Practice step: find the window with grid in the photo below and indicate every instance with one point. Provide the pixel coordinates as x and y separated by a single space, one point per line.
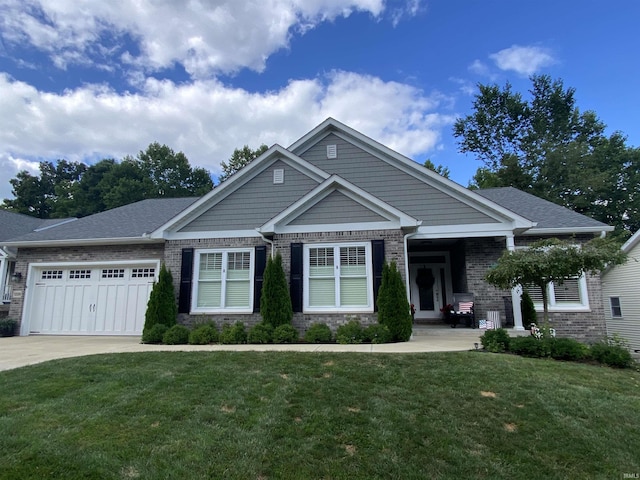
571 293
616 308
79 274
339 277
223 280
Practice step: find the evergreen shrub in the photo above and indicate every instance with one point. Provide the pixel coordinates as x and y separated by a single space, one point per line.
612 351
376 333
285 334
351 332
204 335
318 333
275 299
528 310
154 334
260 333
233 334
176 335
495 341
162 307
394 310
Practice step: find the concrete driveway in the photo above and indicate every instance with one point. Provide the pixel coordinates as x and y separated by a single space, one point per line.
18 352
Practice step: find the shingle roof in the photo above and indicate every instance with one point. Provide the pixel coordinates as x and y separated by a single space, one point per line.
15 224
128 221
545 213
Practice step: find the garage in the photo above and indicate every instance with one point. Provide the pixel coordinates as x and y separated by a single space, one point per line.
89 299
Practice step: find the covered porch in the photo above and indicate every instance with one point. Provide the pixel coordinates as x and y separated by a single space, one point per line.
438 268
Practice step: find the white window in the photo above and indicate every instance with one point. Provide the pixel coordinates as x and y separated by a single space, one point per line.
338 277
616 308
224 281
569 296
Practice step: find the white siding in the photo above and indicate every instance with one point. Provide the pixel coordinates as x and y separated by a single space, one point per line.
624 282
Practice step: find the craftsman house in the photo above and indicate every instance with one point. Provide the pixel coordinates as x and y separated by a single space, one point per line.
336 204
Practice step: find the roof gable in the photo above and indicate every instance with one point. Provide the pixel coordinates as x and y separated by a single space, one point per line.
333 204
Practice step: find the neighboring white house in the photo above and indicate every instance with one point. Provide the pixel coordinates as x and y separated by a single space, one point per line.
621 294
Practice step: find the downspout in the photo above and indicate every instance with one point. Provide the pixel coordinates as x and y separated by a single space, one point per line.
270 242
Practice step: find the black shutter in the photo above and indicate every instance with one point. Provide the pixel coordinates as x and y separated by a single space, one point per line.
377 257
186 274
295 286
258 275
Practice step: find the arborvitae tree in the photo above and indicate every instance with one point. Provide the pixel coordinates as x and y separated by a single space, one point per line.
162 307
393 306
275 300
528 310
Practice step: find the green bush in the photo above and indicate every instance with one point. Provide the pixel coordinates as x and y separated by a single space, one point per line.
495 341
176 335
204 335
528 310
154 334
318 333
376 333
162 307
285 334
530 346
612 351
351 332
568 349
394 310
8 327
275 299
233 334
260 333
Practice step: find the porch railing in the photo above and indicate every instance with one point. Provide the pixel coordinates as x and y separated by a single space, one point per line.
6 294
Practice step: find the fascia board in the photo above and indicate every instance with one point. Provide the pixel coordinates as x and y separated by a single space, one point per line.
410 167
355 193
211 234
236 181
568 230
462 231
84 242
632 242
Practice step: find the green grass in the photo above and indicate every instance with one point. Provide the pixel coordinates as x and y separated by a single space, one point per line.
328 416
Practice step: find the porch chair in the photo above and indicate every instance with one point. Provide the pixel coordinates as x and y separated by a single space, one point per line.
463 310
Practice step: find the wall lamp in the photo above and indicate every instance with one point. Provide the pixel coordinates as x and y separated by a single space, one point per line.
16 276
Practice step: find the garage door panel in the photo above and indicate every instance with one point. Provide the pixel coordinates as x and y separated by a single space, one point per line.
104 301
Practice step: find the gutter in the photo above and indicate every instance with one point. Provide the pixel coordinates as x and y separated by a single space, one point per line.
145 238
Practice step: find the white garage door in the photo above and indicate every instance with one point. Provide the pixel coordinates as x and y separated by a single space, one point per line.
90 300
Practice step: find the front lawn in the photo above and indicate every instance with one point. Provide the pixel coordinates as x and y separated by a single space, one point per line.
282 415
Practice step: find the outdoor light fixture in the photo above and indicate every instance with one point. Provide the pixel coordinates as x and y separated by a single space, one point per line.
16 276
476 345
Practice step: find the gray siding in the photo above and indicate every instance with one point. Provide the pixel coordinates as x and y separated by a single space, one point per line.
624 281
393 186
255 202
337 208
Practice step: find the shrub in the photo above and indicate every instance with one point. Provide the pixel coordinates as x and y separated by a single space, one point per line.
495 340
318 333
161 307
568 349
275 299
233 334
260 333
285 334
612 351
529 315
176 335
154 334
351 332
377 333
394 310
8 327
204 335
530 346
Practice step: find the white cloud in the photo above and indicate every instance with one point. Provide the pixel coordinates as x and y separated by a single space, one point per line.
523 60
206 119
207 37
479 68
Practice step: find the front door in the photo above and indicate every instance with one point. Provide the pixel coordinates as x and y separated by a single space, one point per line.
426 290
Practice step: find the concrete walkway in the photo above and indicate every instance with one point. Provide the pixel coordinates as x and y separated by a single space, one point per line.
18 352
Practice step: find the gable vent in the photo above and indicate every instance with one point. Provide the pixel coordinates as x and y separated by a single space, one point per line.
332 151
278 175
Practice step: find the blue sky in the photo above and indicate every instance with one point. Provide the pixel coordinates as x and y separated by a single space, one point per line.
91 80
